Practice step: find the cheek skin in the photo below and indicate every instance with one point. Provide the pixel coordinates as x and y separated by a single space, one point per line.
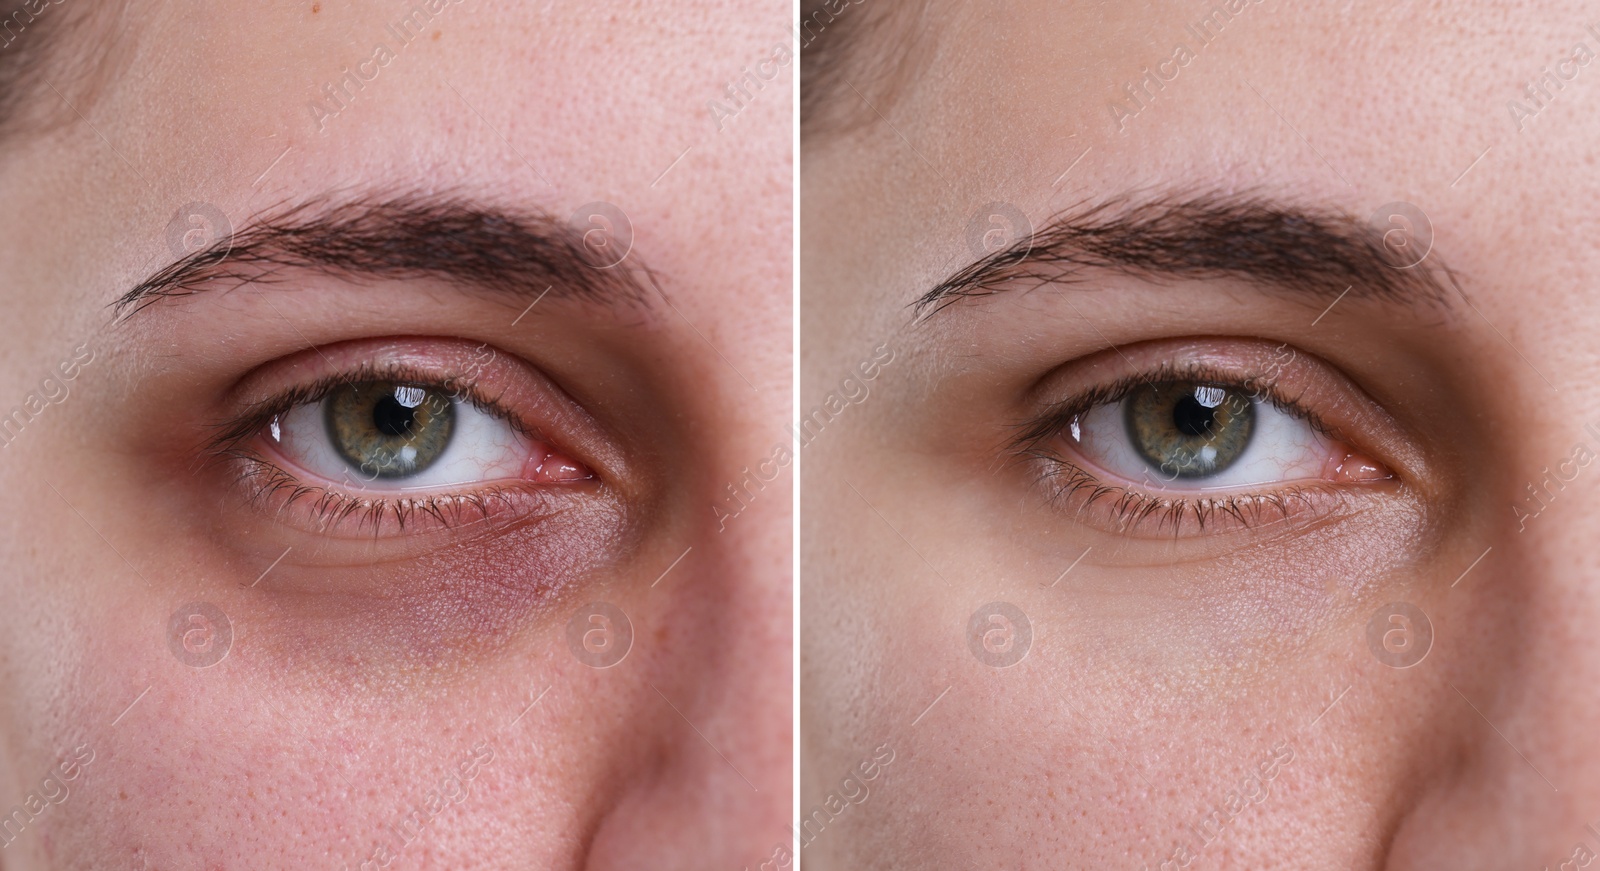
272 754
1148 749
199 770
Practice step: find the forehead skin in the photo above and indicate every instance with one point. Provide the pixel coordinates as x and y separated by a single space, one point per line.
548 106
205 121
1352 106
1008 99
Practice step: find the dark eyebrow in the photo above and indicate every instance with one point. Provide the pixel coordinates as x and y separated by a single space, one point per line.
521 253
1318 252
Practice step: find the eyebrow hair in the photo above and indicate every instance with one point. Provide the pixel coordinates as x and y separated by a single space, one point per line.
521 253
1271 244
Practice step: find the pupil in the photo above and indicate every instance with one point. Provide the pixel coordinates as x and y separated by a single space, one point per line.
1191 418
391 418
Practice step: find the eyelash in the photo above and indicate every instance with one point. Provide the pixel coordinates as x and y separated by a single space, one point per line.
264 479
1130 508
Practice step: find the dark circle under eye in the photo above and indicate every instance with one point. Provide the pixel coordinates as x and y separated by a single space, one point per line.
1189 430
386 429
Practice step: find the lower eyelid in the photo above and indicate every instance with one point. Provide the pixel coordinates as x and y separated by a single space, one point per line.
275 486
270 490
537 538
1080 494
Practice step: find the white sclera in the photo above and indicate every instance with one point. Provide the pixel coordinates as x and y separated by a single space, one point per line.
482 448
1282 448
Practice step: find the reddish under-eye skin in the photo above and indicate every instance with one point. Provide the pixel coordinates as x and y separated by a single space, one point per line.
1367 451
403 595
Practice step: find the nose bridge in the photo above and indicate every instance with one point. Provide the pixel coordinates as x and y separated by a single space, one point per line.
1551 693
737 712
1552 581
719 697
716 625
1520 716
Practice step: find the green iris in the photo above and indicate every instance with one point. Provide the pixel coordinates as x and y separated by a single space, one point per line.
1189 430
386 429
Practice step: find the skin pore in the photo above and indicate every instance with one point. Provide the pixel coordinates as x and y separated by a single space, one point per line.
1215 684
394 652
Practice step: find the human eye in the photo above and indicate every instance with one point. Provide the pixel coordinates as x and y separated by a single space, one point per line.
1178 437
373 438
